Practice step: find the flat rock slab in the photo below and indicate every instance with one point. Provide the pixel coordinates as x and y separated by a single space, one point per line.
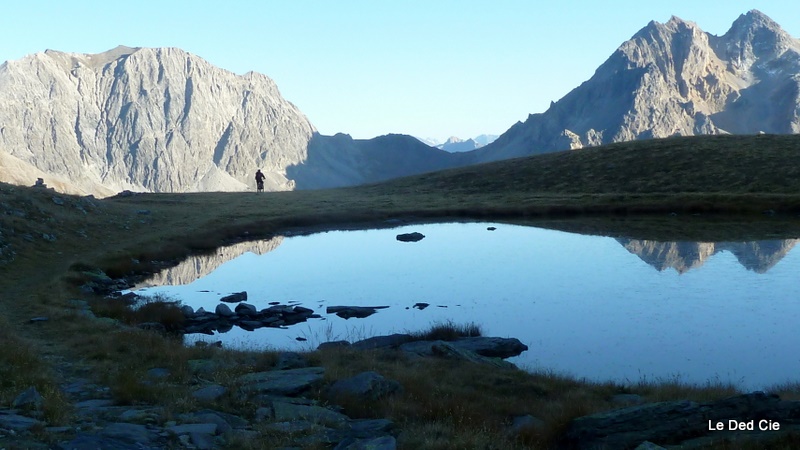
209 393
84 441
366 428
130 432
194 428
95 403
675 422
365 385
16 422
390 341
295 426
282 382
225 422
446 349
287 412
377 443
491 347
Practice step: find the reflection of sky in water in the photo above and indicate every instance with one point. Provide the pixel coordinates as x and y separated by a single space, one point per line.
583 304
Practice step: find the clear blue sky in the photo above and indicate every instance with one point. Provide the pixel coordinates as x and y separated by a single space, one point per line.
429 68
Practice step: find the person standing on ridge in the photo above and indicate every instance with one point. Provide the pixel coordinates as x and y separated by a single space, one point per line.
260 180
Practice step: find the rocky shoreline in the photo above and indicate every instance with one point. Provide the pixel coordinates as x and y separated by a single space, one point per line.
284 406
279 395
281 409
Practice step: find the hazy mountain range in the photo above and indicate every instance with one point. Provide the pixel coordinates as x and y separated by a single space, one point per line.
164 120
454 144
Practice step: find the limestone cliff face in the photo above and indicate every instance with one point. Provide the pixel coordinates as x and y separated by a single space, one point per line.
673 79
758 256
147 119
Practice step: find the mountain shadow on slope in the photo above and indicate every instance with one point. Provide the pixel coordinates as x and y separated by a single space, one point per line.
340 160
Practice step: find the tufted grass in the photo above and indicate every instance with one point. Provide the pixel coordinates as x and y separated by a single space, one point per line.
447 331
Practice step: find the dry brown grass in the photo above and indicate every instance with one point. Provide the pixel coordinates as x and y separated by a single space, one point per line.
787 391
164 311
22 367
448 401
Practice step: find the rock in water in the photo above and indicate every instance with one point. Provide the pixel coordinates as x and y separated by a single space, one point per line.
410 237
235 297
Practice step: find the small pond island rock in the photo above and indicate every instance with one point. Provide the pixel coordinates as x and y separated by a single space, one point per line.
235 297
359 312
410 237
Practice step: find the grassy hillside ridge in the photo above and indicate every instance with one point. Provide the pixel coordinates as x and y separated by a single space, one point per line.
718 164
47 238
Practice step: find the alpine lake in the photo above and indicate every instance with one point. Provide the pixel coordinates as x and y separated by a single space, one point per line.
594 307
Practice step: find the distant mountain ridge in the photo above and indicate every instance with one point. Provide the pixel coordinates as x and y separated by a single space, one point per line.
672 79
455 144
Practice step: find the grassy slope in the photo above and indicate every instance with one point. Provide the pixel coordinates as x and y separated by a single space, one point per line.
726 174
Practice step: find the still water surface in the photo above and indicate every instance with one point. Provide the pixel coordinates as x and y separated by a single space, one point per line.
589 306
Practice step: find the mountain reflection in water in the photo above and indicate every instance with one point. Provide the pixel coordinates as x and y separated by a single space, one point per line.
758 256
591 306
198 266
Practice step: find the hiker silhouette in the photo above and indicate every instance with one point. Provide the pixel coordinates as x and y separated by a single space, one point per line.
260 180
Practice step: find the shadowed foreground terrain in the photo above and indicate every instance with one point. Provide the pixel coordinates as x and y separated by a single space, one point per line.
745 187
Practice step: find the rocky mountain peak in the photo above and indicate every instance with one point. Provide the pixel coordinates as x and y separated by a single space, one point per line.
755 36
675 23
120 51
70 61
672 79
655 31
753 20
